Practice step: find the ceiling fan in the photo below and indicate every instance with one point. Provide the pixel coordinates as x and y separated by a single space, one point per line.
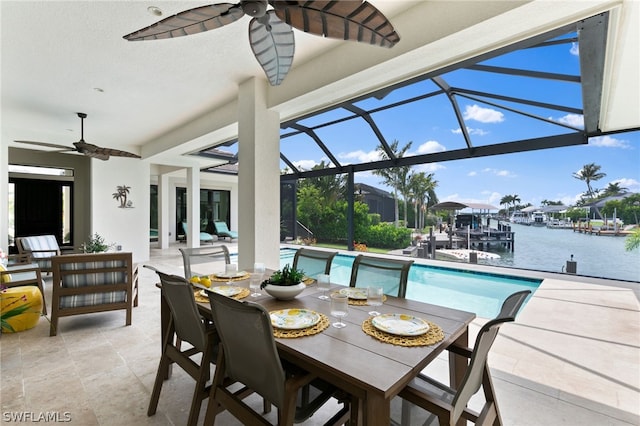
85 148
270 33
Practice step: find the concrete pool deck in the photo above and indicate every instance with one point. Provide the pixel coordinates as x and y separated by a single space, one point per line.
572 357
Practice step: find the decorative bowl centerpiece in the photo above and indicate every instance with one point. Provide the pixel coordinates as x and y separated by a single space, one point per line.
284 284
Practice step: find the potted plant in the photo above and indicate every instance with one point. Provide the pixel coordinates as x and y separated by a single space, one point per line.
284 284
95 244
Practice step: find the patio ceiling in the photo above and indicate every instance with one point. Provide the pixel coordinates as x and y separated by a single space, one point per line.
169 99
539 92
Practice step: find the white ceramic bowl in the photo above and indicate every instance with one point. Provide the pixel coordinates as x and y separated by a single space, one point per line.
284 292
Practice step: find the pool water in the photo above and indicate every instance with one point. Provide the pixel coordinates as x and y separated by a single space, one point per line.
481 293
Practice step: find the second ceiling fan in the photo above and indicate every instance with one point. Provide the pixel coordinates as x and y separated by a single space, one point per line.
270 33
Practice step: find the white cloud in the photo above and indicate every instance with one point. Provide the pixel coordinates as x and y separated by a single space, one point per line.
471 131
428 167
609 142
497 172
360 156
575 120
304 164
473 173
430 147
575 49
483 115
629 183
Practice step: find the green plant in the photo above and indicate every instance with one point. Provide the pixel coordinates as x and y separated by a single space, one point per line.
96 244
286 276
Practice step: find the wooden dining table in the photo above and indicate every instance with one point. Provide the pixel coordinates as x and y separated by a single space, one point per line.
371 370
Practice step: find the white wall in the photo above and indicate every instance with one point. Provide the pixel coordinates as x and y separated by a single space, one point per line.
128 227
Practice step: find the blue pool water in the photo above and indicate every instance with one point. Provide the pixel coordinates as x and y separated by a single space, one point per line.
481 293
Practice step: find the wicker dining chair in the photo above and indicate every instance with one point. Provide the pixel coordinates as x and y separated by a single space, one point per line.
313 262
390 274
249 356
449 405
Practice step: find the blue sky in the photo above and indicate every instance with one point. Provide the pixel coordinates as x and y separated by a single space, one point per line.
431 127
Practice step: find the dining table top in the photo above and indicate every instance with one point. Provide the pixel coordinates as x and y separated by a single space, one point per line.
371 369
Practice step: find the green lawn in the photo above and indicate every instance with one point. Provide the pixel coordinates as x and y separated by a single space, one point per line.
344 247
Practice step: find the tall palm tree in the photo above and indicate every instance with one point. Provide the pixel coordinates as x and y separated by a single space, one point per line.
506 201
613 188
589 173
332 187
422 186
394 177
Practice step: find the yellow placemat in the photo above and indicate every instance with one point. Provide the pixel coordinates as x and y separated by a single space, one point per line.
434 335
309 331
204 299
216 278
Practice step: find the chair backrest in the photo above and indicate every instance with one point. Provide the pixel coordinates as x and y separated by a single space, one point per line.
250 352
390 274
221 226
178 293
313 262
199 255
38 246
486 336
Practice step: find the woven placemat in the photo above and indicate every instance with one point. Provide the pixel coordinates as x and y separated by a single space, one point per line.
203 299
309 331
216 278
308 281
434 335
362 302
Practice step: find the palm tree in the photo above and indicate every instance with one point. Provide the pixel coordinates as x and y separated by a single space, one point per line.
331 187
122 194
506 201
395 177
613 188
422 186
589 173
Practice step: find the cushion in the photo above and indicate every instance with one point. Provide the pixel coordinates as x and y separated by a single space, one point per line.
41 242
6 278
89 280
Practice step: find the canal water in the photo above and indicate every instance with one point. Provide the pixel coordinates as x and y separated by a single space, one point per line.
546 249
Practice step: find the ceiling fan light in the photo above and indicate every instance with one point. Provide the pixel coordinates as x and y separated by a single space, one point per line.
255 8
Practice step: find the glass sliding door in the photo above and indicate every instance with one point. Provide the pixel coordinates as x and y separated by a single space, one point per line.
214 206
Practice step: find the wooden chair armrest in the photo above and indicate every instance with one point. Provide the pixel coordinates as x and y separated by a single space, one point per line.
19 258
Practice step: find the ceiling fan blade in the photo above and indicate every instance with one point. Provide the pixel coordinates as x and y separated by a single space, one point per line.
101 153
346 20
188 22
50 145
273 45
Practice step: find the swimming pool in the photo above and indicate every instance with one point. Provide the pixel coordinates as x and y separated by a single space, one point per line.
482 293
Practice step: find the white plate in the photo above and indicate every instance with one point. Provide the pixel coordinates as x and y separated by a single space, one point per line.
237 274
355 293
400 324
294 319
227 290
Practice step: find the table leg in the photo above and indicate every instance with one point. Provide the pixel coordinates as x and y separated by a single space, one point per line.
458 366
377 411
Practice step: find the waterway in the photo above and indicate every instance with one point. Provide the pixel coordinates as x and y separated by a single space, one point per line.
546 249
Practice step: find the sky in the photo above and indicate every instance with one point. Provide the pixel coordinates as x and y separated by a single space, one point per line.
430 126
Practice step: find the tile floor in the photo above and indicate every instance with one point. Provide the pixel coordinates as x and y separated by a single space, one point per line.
572 358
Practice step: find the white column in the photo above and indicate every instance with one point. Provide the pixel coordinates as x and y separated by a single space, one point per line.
163 211
258 177
4 198
193 207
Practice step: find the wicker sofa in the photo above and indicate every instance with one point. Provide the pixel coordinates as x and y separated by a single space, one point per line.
95 282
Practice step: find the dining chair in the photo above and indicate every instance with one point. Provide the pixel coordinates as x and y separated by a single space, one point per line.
313 262
187 325
390 274
448 404
200 255
249 356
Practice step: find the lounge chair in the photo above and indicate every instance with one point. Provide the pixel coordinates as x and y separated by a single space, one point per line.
204 237
223 231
